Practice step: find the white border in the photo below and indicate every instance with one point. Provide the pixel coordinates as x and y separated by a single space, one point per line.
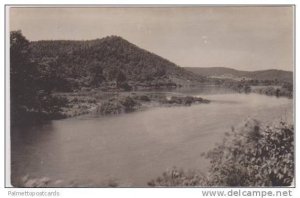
7 101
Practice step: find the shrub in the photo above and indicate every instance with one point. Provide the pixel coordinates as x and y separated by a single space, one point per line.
128 103
110 107
118 105
188 100
184 100
254 155
143 98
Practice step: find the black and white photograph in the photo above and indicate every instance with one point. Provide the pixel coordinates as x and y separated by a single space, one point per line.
151 96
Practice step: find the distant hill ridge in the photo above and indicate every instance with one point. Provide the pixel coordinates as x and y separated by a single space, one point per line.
270 74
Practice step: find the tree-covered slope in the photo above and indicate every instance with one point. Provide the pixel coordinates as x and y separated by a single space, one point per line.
93 62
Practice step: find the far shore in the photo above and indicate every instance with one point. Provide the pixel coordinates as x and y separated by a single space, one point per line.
98 102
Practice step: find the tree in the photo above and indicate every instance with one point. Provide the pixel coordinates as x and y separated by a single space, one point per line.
30 88
23 75
96 73
120 78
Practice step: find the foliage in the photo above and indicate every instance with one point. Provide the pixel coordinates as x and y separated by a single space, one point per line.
96 74
30 87
91 63
110 107
253 155
118 106
128 103
23 75
184 100
286 90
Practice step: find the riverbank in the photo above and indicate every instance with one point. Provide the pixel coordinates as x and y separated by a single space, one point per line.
101 102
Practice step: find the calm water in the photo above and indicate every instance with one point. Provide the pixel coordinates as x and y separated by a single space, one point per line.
134 148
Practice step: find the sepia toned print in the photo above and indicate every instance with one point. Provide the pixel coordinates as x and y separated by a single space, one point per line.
191 96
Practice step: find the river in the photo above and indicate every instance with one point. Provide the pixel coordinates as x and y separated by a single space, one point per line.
133 148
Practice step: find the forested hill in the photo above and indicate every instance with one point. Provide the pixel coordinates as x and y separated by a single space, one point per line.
94 62
228 73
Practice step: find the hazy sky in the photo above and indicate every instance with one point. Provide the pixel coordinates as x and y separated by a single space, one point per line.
246 38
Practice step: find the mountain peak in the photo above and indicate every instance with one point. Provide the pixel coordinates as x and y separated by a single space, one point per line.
114 38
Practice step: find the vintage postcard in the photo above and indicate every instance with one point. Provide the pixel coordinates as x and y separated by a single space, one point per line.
151 96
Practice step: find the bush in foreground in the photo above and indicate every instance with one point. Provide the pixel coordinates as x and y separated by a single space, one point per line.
254 155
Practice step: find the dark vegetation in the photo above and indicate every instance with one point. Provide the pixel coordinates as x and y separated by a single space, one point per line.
253 155
118 106
134 102
110 62
278 91
31 88
184 100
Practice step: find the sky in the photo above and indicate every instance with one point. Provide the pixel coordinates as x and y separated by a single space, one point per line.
244 38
